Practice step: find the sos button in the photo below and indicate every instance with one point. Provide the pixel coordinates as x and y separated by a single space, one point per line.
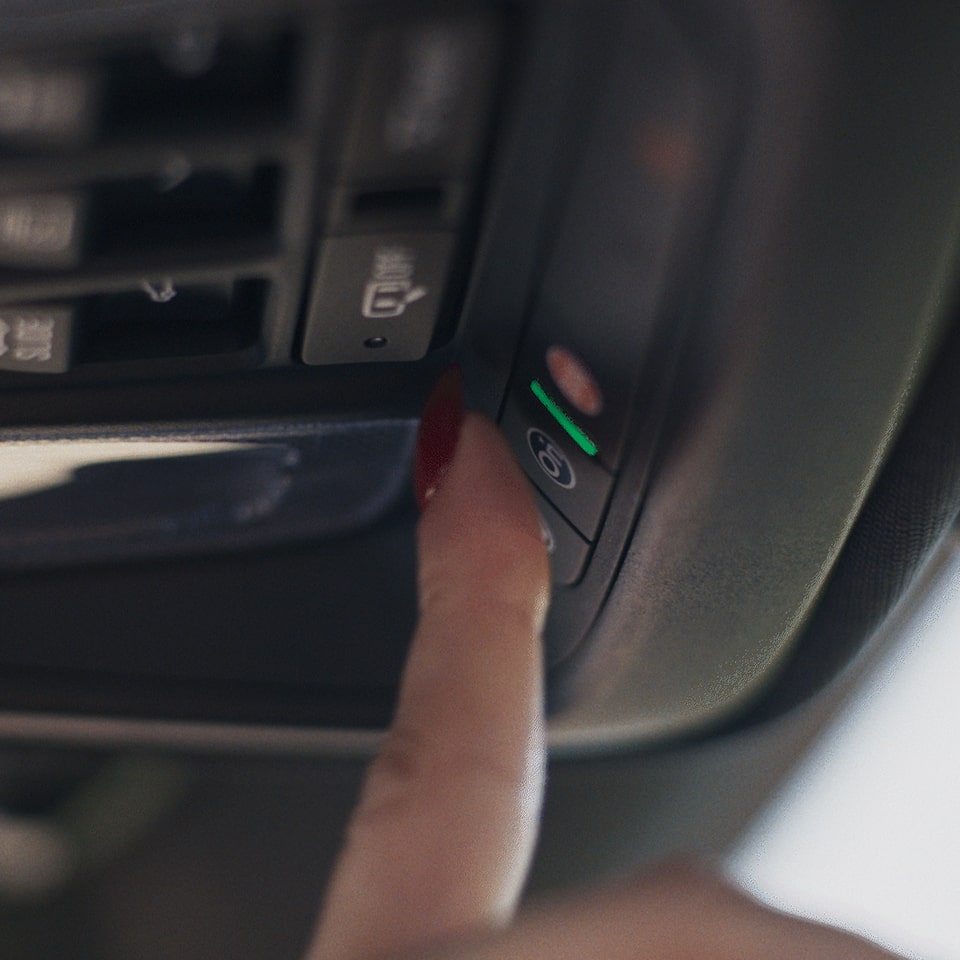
553 461
575 483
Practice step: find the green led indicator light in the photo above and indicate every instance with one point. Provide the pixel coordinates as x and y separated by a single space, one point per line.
579 437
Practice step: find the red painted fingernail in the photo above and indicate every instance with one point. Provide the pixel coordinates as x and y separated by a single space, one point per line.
439 432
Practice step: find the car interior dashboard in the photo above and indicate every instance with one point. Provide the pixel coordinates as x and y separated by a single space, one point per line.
697 259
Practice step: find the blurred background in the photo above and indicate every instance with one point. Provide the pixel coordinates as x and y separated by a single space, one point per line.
864 834
106 857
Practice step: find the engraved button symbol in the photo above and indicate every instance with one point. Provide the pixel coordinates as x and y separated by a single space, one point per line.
551 458
36 338
390 288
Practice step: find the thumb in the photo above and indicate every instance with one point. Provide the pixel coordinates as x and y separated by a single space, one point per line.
442 837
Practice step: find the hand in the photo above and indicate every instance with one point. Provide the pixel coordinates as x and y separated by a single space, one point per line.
439 845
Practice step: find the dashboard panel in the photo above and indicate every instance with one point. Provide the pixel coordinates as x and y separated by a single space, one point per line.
694 260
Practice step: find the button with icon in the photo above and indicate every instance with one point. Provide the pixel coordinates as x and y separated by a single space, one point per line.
567 549
572 480
377 297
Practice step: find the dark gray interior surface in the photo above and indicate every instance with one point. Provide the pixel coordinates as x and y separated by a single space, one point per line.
743 215
824 299
235 856
755 213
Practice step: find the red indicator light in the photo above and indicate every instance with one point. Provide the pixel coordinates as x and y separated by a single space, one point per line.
574 381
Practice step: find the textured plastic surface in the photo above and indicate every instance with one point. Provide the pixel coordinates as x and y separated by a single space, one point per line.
195 489
770 331
828 294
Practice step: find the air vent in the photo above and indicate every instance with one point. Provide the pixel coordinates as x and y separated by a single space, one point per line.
144 215
163 320
185 191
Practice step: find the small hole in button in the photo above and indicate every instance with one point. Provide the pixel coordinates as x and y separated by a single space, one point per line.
375 343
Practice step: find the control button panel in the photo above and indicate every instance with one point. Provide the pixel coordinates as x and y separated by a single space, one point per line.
376 298
604 286
570 478
36 338
567 549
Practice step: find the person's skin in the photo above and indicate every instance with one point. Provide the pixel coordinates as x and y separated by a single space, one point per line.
438 847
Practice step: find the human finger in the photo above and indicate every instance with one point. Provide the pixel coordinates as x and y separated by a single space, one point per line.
441 839
678 911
